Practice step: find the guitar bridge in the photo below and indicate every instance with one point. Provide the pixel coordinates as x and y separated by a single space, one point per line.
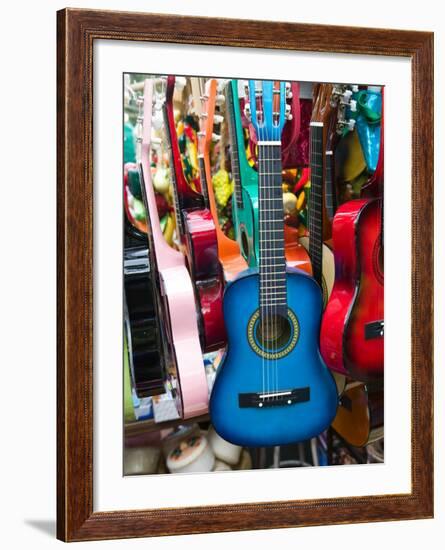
273 399
374 330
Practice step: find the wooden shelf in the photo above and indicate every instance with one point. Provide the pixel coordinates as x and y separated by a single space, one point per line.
147 426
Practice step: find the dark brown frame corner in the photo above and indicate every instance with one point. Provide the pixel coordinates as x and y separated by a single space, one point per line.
76 32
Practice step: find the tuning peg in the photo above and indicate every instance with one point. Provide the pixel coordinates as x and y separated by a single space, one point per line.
220 100
353 105
354 88
289 90
347 96
217 119
247 111
287 113
351 124
216 138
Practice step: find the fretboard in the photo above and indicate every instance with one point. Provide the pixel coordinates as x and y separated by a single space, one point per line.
331 205
234 147
316 201
273 296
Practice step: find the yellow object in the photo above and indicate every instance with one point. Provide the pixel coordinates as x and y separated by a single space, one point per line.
301 201
161 180
223 187
169 229
350 151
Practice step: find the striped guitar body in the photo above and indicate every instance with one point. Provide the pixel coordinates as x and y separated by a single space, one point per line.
272 387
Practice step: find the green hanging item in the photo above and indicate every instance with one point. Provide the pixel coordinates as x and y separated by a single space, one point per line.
134 183
129 143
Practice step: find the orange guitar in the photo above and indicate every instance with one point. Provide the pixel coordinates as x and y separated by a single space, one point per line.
359 419
205 100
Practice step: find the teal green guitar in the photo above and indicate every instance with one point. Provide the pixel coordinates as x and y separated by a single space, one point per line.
245 195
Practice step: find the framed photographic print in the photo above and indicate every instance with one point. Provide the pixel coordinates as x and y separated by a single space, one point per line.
245 214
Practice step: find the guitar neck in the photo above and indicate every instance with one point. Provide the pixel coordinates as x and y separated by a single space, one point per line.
203 180
235 156
273 295
177 204
316 200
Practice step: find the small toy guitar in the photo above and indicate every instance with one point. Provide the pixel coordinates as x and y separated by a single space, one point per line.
272 388
197 235
175 297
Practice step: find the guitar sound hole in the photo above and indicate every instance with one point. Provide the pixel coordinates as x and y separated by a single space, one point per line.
273 332
244 243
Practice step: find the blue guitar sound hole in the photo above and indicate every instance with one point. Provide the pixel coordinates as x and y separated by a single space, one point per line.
275 336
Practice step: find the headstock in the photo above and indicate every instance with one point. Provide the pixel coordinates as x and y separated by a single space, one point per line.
267 108
205 100
322 103
342 99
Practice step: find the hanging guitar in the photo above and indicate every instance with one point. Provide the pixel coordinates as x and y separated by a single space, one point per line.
272 387
296 254
197 235
146 363
352 330
175 297
359 419
245 193
205 98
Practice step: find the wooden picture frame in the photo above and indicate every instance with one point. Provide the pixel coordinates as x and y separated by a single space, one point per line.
76 32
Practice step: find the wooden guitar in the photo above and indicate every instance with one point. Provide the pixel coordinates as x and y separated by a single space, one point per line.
352 327
197 234
228 250
175 297
272 388
359 419
322 258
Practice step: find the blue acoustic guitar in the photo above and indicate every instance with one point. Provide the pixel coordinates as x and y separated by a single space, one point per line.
272 387
245 193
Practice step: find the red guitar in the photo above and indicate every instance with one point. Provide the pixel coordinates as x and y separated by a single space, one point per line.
197 235
351 338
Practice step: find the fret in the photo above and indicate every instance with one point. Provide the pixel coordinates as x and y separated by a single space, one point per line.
272 265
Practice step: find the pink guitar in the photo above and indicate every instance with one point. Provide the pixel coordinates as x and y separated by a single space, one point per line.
175 294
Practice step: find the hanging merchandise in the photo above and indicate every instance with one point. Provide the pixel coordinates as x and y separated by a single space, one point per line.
253 274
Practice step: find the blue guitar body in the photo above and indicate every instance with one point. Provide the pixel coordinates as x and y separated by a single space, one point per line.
260 401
